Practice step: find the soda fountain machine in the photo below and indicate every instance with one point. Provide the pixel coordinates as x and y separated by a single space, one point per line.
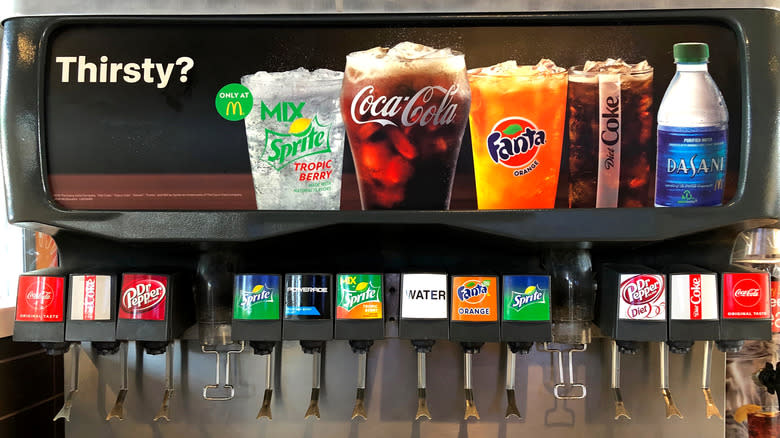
327 179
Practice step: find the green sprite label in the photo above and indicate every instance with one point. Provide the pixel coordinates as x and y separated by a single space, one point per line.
526 298
256 297
304 137
359 296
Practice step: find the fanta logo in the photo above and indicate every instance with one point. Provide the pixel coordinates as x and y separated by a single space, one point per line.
531 295
258 294
40 299
641 289
142 296
473 292
747 292
514 142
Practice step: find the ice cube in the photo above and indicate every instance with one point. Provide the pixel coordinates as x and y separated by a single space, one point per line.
612 65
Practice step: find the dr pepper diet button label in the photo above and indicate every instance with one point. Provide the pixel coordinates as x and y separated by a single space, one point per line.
746 296
40 298
424 296
693 296
90 297
642 297
474 298
143 296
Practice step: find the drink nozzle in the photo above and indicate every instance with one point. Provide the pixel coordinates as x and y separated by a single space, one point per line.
620 408
265 408
511 407
74 385
671 408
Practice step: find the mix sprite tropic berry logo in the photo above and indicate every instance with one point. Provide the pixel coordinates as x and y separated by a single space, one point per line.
526 298
514 142
359 296
256 297
304 137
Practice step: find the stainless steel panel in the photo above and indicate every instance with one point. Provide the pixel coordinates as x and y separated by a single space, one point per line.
196 7
391 395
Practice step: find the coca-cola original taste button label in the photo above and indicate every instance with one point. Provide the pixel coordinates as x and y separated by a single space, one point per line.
143 297
40 299
746 295
642 297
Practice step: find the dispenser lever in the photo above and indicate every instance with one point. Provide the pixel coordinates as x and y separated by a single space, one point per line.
163 412
711 408
511 407
231 391
118 411
314 409
620 408
671 408
74 385
265 408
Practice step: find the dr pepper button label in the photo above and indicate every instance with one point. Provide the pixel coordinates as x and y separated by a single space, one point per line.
143 296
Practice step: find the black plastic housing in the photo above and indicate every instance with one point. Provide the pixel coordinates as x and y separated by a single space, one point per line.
259 330
742 329
320 329
475 331
523 331
179 315
607 308
690 330
424 328
365 329
46 332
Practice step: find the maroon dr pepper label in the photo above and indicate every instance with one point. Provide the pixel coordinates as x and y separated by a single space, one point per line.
746 296
40 299
143 297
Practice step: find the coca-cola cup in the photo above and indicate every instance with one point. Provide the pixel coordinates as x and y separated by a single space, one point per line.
405 110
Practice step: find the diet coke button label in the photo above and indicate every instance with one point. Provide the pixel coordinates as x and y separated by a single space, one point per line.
40 298
143 297
693 296
746 296
642 297
90 297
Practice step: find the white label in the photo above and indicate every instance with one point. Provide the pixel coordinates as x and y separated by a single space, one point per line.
642 297
694 296
424 296
610 124
90 297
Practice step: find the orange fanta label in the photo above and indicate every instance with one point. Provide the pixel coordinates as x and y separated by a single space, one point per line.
517 120
359 296
474 298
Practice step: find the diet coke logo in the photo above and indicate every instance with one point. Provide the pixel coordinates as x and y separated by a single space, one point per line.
40 298
747 292
641 289
142 296
414 110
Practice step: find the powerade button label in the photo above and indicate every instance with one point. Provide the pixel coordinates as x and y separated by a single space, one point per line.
359 296
424 296
40 299
746 296
90 297
307 296
256 297
693 296
143 296
526 298
474 298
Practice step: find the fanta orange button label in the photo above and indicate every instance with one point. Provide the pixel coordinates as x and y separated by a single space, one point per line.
474 298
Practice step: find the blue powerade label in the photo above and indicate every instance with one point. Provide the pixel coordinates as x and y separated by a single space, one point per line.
691 169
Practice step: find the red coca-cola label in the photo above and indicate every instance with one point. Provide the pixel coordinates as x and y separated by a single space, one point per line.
746 296
642 296
775 306
40 298
419 109
143 297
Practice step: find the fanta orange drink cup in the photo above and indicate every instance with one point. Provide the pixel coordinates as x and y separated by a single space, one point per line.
517 120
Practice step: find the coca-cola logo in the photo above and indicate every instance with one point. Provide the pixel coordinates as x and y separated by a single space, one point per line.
415 110
747 292
142 296
39 299
514 142
641 289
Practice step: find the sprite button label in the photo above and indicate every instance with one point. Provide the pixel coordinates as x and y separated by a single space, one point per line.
526 298
256 297
359 296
